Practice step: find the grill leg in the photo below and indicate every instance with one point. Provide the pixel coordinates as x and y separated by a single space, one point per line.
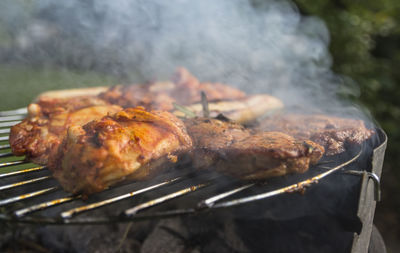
376 244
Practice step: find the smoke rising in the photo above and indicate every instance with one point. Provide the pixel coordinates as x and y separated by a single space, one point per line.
271 48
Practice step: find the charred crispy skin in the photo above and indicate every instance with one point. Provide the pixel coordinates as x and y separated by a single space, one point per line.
133 143
237 151
47 123
333 133
184 89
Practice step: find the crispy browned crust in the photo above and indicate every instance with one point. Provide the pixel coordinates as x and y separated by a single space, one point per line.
185 89
133 143
47 122
334 133
236 151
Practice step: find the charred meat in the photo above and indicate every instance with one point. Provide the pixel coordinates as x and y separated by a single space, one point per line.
131 144
237 151
184 89
334 133
47 123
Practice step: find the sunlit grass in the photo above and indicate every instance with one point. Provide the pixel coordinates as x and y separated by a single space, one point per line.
21 84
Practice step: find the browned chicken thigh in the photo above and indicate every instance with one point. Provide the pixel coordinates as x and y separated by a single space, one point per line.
131 144
47 123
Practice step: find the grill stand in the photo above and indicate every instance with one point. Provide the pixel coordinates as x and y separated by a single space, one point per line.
367 203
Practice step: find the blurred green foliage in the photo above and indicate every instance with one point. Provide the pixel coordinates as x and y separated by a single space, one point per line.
365 46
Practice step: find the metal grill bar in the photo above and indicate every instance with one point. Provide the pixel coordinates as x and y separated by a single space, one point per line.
9 123
19 172
210 201
3 138
26 196
30 181
7 164
6 154
11 118
165 198
6 146
41 206
14 112
5 131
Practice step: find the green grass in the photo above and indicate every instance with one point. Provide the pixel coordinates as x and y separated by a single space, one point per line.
19 85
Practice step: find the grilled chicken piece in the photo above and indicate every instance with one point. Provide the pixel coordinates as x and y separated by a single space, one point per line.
333 133
47 123
237 151
132 144
184 90
242 110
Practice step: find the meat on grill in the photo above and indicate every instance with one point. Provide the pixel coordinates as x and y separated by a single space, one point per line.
184 90
54 112
135 144
47 123
131 144
237 151
334 133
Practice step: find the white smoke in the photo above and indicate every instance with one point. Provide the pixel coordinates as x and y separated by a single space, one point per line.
268 49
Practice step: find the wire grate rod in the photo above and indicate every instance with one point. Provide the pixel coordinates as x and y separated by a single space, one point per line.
19 172
11 118
14 112
4 202
9 123
30 181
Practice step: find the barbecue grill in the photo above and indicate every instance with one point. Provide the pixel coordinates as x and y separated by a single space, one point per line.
30 195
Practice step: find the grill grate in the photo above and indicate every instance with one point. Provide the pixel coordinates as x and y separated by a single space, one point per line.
39 198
